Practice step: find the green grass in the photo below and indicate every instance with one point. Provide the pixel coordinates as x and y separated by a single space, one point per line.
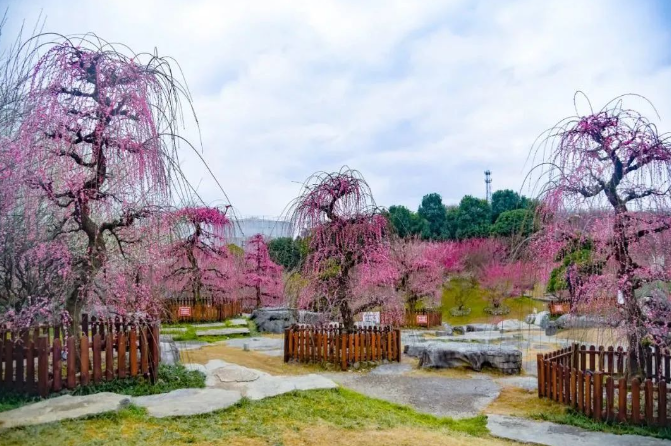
265 420
574 418
519 308
169 378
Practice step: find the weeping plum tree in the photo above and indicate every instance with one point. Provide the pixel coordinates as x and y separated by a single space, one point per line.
346 235
100 144
201 265
261 275
612 167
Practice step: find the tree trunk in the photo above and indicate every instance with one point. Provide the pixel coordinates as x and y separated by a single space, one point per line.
347 316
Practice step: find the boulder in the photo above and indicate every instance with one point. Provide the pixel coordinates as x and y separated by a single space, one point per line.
481 327
539 319
508 360
585 321
458 329
183 402
169 351
274 320
446 330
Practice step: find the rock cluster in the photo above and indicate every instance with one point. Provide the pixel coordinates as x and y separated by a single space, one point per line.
276 320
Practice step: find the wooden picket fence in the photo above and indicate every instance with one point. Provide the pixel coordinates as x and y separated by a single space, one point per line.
44 360
420 318
591 380
310 344
205 310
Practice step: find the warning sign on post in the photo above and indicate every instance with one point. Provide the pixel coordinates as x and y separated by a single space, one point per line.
184 311
423 319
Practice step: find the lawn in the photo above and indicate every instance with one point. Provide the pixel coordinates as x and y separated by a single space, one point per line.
333 417
519 308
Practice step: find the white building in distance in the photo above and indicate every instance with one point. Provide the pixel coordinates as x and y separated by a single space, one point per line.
269 227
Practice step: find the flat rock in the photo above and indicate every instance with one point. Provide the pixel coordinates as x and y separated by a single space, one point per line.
173 330
454 354
237 374
237 322
551 434
63 407
223 332
198 367
187 402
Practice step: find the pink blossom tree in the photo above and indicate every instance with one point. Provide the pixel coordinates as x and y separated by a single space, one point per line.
99 145
418 272
201 265
347 236
612 159
261 275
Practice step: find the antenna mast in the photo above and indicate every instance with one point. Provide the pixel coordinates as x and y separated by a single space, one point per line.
488 186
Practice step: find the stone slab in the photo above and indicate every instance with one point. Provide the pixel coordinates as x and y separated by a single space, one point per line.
223 332
237 322
552 434
454 354
173 330
62 408
184 402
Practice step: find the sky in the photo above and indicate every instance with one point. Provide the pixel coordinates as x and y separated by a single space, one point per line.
420 96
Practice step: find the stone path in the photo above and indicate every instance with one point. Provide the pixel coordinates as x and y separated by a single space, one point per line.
551 434
457 398
255 384
187 402
226 385
62 408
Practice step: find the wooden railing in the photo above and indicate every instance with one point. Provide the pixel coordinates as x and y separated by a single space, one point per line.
205 310
420 318
311 344
591 380
43 359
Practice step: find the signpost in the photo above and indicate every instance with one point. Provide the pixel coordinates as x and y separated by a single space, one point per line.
184 311
371 318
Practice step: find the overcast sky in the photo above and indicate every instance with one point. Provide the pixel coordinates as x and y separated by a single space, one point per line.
420 96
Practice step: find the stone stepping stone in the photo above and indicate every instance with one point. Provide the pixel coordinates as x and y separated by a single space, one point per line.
223 332
184 402
237 322
174 330
235 375
62 408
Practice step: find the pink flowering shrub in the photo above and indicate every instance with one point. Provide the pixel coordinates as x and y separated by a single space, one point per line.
262 277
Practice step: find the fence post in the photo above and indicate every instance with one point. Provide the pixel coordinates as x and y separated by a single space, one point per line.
42 367
343 350
541 375
661 403
598 395
398 345
287 334
155 354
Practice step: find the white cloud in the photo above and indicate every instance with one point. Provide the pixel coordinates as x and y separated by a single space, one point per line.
419 96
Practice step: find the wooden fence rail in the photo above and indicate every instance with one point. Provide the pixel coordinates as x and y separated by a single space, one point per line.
591 381
205 310
43 359
311 344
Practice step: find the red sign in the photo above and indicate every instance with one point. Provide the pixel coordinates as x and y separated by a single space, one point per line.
422 319
185 311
